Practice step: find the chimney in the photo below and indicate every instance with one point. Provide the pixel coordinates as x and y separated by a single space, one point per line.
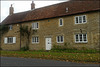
32 5
11 10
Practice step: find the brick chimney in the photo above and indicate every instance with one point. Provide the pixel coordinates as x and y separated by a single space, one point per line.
32 5
11 10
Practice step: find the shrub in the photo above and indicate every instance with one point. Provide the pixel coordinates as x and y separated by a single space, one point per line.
24 48
0 48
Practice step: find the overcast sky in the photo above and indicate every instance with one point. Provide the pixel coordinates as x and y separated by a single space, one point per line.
20 6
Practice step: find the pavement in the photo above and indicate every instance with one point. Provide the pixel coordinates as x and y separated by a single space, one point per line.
13 61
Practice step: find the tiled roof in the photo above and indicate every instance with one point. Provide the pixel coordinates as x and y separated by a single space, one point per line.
55 10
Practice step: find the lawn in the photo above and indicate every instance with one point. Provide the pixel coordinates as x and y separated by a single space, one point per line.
63 56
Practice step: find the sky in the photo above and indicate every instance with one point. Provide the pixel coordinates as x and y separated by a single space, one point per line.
21 6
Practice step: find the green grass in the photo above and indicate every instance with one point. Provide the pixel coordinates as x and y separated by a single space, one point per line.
75 51
63 56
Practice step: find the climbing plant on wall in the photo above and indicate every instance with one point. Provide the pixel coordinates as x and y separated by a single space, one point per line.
25 31
3 29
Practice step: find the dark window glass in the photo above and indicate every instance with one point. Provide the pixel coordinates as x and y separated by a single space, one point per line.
84 19
58 39
77 37
80 37
76 19
61 21
37 25
84 35
61 38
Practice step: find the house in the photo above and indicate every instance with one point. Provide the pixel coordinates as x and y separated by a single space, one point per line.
75 23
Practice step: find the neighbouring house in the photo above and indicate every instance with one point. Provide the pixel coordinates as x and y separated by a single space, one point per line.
74 23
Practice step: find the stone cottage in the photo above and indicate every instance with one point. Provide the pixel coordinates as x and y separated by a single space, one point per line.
74 23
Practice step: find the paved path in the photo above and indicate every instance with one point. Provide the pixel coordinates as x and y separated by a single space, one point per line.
12 61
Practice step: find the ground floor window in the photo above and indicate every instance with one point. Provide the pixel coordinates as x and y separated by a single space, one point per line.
35 39
60 39
9 40
80 38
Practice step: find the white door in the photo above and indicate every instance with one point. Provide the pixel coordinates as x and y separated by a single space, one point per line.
48 43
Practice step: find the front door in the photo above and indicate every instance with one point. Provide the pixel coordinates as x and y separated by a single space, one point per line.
48 43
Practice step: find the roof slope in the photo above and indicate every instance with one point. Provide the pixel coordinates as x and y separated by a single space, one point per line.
56 10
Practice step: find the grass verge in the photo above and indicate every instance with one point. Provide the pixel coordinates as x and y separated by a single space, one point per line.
63 56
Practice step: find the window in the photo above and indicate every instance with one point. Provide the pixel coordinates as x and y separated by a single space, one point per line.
80 19
9 40
60 22
10 27
80 38
35 25
35 39
60 39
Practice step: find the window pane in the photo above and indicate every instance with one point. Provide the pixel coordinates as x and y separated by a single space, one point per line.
80 19
61 38
60 21
11 40
80 37
77 38
37 39
8 39
33 39
37 25
76 19
84 18
84 36
32 25
58 39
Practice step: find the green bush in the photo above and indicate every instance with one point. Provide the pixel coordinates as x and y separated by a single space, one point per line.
64 48
24 48
0 48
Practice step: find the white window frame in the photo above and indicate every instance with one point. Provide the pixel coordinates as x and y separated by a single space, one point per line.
34 25
60 22
60 39
10 27
79 39
35 40
81 20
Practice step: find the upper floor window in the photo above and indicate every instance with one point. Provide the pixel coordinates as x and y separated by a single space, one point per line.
80 19
60 39
10 27
80 38
9 40
60 22
35 39
35 25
